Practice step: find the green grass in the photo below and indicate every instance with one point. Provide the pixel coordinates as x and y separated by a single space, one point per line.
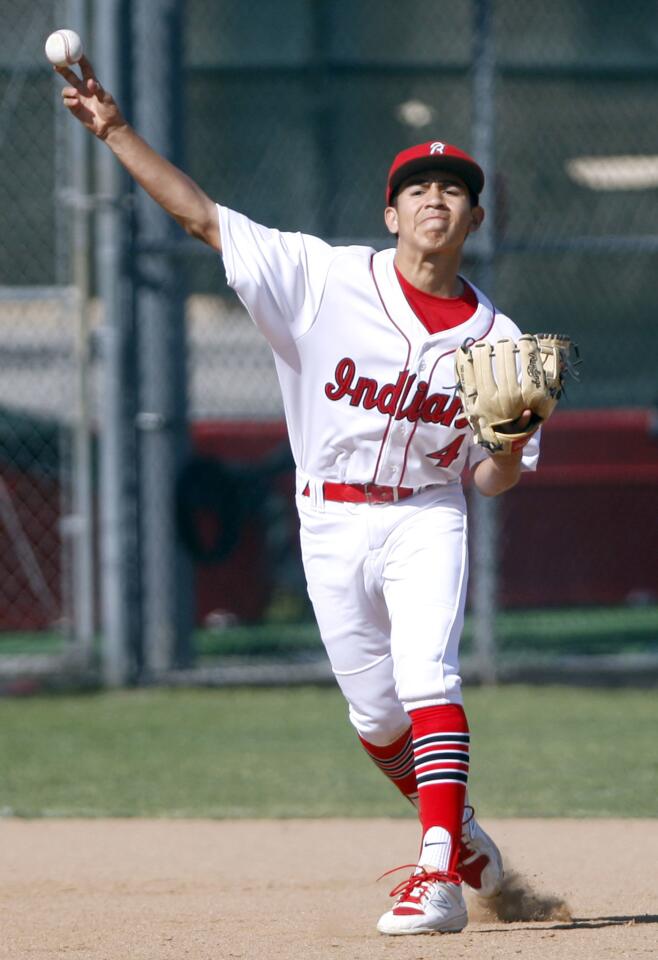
36 642
282 753
596 630
569 630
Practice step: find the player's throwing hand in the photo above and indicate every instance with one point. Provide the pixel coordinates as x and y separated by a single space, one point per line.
89 102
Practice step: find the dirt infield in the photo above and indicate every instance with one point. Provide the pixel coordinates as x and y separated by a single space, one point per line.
152 889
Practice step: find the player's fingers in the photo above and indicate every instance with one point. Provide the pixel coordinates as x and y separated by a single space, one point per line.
524 420
94 88
69 76
86 68
71 102
81 113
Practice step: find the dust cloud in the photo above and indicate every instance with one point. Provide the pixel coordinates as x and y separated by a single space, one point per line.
519 901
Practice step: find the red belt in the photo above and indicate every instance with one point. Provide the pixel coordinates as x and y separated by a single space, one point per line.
362 492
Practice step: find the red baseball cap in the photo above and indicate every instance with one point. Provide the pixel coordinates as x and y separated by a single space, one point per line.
434 153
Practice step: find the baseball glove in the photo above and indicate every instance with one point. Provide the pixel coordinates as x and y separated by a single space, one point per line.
497 382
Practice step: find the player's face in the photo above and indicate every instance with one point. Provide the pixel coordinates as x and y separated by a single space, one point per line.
433 212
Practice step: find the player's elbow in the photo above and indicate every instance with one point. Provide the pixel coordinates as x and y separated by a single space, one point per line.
206 230
199 218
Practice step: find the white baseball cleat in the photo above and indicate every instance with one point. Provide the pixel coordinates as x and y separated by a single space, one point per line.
480 863
428 902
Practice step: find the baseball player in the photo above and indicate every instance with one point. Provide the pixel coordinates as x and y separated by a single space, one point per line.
364 345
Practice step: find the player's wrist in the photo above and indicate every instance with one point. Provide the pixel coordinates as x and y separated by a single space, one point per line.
114 131
507 458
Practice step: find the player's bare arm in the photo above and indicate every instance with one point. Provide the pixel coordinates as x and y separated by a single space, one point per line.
497 474
501 472
172 189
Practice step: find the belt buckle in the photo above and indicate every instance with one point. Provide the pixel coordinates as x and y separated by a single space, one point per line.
374 493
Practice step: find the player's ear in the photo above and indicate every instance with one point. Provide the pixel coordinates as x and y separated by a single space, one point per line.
477 216
391 219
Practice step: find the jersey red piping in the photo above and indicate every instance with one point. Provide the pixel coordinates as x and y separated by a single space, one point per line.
406 363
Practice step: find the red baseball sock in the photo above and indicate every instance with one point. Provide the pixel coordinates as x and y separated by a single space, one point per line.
396 760
441 745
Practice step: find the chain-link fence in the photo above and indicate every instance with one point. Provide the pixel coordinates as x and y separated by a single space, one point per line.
38 399
291 113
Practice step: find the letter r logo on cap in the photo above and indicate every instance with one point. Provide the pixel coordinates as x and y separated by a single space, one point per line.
437 147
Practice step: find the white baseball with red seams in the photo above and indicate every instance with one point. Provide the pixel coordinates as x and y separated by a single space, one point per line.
369 397
63 48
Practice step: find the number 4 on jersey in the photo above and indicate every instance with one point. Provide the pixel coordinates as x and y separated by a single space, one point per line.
445 456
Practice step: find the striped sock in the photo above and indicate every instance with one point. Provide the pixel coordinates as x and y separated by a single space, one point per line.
396 760
440 745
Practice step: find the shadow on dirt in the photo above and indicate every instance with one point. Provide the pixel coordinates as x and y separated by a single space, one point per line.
593 923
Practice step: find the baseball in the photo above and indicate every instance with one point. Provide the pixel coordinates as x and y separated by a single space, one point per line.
63 47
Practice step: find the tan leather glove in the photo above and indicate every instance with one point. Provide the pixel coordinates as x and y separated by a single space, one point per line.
497 382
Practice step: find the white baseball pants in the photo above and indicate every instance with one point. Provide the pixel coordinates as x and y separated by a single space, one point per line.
388 586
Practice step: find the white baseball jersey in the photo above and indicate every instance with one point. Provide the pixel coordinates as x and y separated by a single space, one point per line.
369 393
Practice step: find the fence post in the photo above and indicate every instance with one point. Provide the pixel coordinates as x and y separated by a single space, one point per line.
78 143
119 508
485 509
162 420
